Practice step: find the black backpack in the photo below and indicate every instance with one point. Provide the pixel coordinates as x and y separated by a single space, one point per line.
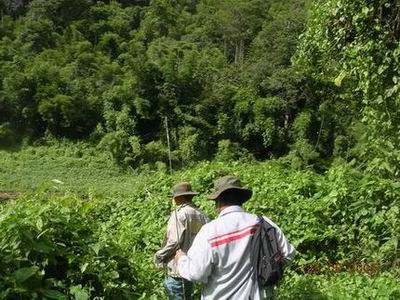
268 259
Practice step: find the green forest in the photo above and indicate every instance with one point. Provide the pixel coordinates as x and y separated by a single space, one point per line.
104 105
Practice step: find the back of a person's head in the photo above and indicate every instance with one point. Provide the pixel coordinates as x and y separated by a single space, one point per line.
183 199
230 197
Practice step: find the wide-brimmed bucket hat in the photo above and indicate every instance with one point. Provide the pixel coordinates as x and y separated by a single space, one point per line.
183 189
227 183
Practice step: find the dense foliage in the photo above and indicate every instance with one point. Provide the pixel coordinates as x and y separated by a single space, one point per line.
114 70
345 225
220 71
355 44
49 249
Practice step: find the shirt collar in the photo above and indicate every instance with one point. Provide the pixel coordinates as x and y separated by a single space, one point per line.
229 209
184 205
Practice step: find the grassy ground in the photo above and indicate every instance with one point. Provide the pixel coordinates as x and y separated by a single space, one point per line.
77 169
139 204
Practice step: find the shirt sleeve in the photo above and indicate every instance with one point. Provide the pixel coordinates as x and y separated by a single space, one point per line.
172 240
197 264
287 249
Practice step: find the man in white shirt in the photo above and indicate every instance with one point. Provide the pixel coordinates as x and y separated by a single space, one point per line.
183 225
220 256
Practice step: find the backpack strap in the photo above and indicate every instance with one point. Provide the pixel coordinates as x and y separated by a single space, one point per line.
271 230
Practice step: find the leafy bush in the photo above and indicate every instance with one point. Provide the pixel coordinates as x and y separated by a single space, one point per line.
50 249
352 47
7 135
230 151
340 286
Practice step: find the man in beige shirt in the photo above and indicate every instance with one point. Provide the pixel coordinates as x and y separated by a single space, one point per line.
183 225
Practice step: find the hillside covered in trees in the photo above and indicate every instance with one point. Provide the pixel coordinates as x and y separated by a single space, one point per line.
220 71
233 77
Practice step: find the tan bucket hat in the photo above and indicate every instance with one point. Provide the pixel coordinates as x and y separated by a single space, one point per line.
183 189
230 183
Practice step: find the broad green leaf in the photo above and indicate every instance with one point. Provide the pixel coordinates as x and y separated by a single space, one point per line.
23 274
96 248
39 224
83 267
53 294
338 80
79 293
43 246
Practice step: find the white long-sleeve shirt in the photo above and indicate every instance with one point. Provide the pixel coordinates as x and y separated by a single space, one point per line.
220 256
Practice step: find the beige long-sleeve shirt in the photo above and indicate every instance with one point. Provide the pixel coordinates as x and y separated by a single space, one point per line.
183 225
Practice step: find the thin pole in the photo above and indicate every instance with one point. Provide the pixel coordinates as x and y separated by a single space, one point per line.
169 145
320 129
175 212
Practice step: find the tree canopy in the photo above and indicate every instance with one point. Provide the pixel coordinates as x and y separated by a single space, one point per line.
259 78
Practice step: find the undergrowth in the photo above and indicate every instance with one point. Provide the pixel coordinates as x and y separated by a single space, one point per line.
104 224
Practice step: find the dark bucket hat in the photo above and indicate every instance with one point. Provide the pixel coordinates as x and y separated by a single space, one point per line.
230 183
183 189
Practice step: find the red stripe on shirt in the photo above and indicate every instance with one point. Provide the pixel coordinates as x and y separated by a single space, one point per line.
233 232
234 237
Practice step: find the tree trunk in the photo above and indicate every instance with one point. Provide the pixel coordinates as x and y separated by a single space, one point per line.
236 53
286 126
241 52
225 48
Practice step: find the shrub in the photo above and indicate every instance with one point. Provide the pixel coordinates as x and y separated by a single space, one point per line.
231 151
50 249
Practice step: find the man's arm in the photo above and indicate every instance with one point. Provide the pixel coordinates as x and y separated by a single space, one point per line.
197 264
172 242
287 249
